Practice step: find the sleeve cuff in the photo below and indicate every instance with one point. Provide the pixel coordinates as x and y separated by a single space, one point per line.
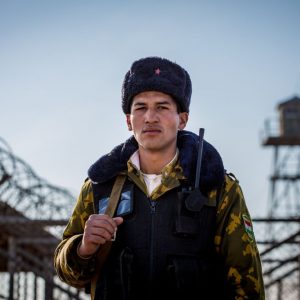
80 256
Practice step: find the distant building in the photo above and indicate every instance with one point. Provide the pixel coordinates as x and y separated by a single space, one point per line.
289 125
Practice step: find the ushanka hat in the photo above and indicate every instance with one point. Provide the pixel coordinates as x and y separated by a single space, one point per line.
157 74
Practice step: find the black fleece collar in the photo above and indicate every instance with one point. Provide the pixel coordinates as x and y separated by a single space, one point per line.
212 169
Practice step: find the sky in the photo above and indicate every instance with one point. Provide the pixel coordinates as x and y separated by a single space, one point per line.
62 64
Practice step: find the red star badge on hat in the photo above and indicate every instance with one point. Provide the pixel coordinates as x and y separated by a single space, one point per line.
157 71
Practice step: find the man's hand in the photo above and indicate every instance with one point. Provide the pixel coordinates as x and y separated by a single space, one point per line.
98 230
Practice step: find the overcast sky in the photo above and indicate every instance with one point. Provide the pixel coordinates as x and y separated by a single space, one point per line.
62 64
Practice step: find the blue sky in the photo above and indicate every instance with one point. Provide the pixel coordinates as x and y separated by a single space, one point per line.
62 64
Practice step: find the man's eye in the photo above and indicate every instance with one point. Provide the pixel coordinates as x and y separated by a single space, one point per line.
140 108
161 107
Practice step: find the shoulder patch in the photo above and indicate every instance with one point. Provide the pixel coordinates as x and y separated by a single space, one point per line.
248 227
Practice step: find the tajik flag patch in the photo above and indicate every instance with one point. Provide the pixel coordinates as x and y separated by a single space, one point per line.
248 227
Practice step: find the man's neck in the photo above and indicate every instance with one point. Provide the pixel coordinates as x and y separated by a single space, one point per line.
152 162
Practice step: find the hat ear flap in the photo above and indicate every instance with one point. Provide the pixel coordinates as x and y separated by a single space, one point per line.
125 104
188 91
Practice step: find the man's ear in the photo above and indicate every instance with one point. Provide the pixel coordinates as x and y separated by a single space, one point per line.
128 122
183 119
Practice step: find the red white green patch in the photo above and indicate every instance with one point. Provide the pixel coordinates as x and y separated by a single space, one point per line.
248 227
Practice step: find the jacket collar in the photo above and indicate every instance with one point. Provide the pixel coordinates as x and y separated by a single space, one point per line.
212 169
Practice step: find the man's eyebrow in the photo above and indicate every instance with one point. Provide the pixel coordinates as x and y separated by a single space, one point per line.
139 103
163 102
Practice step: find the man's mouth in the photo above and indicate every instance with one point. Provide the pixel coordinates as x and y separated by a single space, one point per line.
151 130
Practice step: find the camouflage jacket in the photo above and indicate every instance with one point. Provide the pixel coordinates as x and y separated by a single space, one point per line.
234 237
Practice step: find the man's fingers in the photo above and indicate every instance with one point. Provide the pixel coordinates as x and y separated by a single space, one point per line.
101 221
101 228
101 232
98 230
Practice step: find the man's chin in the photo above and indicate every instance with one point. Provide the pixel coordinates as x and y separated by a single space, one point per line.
152 147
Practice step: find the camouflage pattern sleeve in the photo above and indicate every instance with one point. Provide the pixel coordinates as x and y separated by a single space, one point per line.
236 243
71 268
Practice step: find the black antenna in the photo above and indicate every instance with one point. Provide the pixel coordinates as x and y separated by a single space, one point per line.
199 158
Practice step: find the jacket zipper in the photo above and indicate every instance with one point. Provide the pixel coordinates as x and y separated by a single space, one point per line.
152 212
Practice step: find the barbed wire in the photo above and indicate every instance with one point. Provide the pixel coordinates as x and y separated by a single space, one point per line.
22 189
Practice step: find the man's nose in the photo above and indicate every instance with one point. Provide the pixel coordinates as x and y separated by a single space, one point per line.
151 116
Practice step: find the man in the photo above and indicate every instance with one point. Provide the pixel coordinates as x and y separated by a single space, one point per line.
170 239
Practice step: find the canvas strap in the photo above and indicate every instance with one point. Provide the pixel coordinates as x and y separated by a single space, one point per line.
110 210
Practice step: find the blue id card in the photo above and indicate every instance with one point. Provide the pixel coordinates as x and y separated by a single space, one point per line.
125 205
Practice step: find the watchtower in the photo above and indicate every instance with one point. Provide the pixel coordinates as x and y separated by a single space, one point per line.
280 249
284 137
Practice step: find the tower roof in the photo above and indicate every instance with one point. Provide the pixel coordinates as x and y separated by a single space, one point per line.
294 100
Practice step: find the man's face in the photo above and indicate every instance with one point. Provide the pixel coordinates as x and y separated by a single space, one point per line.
155 121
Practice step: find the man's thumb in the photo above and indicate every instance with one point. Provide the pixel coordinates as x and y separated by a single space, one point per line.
118 220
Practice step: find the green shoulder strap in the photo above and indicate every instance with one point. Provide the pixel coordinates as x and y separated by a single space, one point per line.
110 210
115 195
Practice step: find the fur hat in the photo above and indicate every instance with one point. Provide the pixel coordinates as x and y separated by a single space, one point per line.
157 74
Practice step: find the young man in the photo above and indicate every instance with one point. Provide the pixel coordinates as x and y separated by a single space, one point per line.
169 240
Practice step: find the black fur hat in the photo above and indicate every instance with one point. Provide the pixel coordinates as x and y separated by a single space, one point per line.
157 74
